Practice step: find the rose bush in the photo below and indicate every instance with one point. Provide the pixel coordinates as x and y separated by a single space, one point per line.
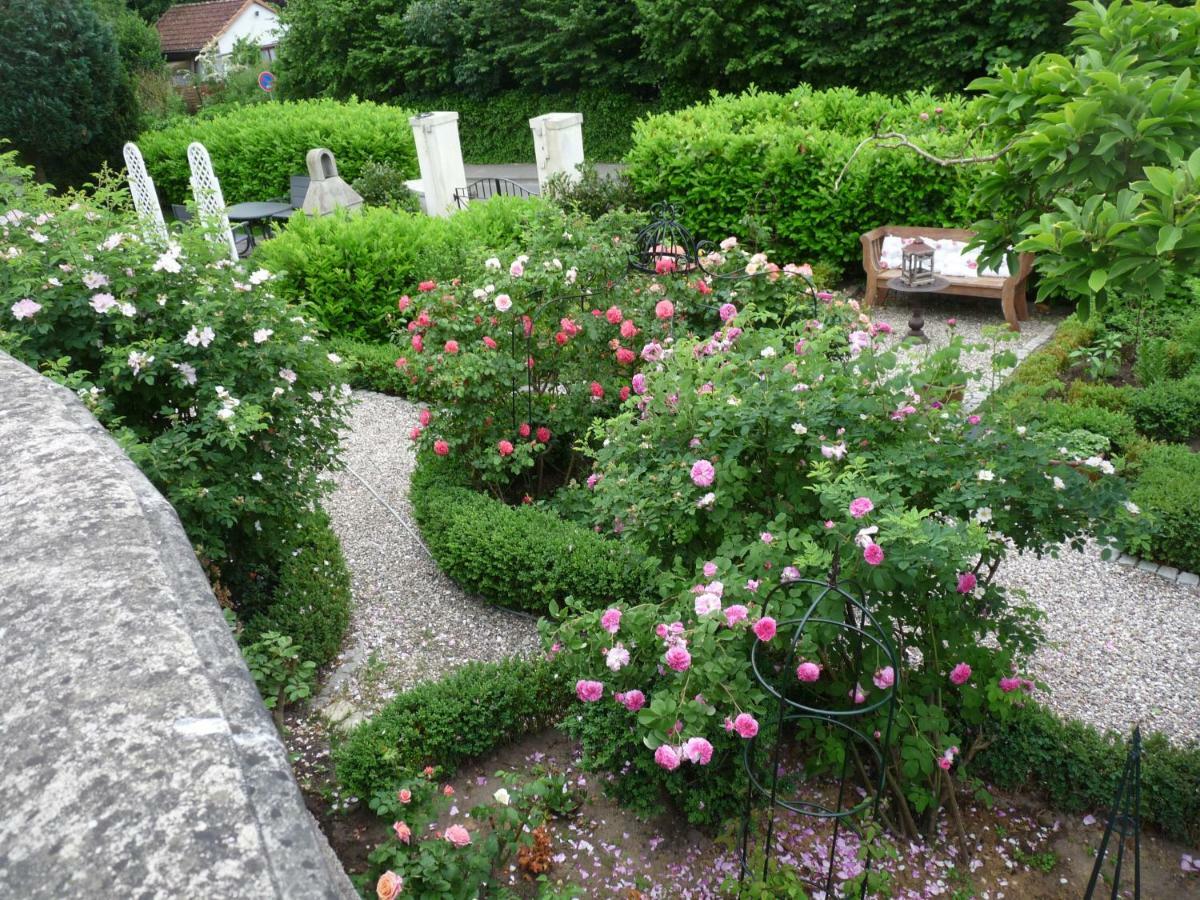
517 357
770 454
216 388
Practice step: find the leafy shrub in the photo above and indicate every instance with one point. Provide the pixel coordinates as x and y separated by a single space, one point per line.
256 149
778 156
380 184
1078 768
215 387
371 366
1167 489
1105 396
282 675
352 268
521 557
310 599
768 454
1118 427
592 194
468 713
1168 410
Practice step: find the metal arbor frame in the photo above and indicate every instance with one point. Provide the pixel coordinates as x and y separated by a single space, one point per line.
1126 820
850 629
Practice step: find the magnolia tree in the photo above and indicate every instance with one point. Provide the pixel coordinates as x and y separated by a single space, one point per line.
765 455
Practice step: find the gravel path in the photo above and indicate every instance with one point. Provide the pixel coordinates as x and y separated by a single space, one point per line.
410 622
1122 643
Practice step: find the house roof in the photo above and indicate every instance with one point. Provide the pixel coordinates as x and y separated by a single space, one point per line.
188 27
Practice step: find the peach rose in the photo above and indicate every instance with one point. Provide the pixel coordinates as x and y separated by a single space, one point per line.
389 885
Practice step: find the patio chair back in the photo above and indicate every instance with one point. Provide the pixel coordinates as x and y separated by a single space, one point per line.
299 189
181 212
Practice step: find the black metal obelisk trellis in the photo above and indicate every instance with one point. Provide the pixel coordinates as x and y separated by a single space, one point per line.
1125 820
839 627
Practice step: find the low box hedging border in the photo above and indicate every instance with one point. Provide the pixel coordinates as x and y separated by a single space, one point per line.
469 713
1076 767
519 557
1167 487
368 365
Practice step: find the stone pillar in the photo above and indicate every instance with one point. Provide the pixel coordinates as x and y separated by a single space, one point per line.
558 144
440 156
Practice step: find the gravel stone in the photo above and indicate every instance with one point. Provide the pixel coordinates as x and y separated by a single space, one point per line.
409 621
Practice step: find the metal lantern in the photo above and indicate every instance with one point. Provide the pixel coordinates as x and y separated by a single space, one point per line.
916 264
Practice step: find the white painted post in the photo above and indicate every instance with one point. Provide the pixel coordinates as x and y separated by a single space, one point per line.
558 145
209 199
145 198
439 155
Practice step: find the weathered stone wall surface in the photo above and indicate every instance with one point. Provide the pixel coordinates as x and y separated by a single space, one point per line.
136 758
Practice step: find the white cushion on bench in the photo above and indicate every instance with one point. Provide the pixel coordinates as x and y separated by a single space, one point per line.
949 260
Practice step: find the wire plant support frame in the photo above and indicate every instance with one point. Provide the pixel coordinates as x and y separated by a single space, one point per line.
846 630
1126 820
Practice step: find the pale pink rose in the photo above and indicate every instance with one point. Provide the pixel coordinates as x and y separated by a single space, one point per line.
745 725
404 795
703 473
589 691
458 836
707 603
735 614
858 695
617 658
808 671
885 678
697 750
667 757
710 569
678 658
633 700
403 832
860 506
611 620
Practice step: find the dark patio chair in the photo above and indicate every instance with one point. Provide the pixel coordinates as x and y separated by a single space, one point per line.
243 240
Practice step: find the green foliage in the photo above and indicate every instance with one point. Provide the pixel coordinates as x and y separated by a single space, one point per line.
1078 768
281 674
777 157
310 600
1101 358
522 557
380 184
1105 396
256 149
65 103
352 268
1118 427
1102 171
1168 410
591 194
212 384
473 711
1167 489
371 366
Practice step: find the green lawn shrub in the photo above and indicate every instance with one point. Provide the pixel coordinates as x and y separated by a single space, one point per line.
1077 768
310 601
256 149
475 710
1168 489
776 157
520 557
1168 410
1118 427
350 268
1112 397
371 366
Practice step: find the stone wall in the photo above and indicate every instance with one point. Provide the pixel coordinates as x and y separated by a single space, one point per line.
136 758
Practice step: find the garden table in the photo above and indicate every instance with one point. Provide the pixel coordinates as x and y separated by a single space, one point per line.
916 321
257 212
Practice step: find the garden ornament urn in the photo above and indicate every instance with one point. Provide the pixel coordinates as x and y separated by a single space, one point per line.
326 189
916 264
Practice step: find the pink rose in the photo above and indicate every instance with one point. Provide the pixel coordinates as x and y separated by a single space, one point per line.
664 265
403 302
451 346
678 658
427 286
860 506
389 885
589 691
415 434
1008 685
458 836
858 695
885 678
404 795
873 554
628 329
625 356
967 582
960 674
664 309
745 725
703 473
808 671
488 342
667 757
639 383
614 315
611 620
735 613
710 569
441 448
403 832
764 629
505 448
697 750
597 391
727 312
633 700
425 417
543 434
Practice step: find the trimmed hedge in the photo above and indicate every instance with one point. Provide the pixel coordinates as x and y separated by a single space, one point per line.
351 268
519 557
1168 410
310 602
444 723
256 149
496 129
1077 768
776 157
1168 489
371 366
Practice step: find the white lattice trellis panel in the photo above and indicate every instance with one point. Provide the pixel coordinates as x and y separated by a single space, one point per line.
145 198
209 200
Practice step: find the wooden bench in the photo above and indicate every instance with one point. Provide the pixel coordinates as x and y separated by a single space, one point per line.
1009 290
